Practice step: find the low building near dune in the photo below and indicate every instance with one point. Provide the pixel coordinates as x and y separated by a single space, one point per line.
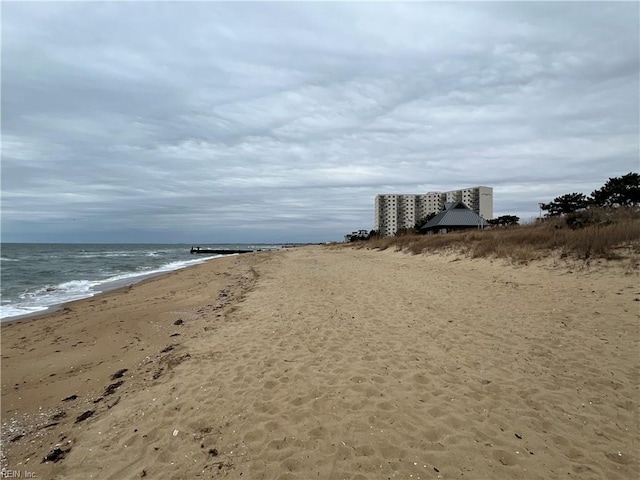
455 216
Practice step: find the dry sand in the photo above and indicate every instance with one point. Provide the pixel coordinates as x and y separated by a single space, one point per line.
333 363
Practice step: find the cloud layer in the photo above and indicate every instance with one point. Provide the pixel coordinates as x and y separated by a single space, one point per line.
219 122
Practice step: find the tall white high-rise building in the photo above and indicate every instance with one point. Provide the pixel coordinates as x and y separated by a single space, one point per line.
396 211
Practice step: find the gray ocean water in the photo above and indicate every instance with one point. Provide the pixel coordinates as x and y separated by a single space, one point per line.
35 277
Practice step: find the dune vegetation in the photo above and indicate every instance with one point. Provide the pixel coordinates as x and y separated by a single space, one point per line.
609 233
604 225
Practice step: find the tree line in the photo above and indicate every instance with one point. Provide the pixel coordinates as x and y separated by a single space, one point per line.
621 191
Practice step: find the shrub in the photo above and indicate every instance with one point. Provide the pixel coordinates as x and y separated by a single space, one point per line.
596 232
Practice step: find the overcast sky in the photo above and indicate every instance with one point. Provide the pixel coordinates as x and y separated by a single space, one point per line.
244 122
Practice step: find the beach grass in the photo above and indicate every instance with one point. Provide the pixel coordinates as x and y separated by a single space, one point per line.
608 233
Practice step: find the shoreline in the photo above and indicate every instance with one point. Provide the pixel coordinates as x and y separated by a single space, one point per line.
76 349
103 288
110 289
332 362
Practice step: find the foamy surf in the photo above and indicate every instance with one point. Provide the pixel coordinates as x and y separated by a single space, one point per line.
35 300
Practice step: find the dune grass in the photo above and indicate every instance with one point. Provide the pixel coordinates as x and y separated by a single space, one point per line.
606 234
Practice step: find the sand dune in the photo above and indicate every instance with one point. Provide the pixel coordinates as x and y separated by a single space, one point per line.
335 363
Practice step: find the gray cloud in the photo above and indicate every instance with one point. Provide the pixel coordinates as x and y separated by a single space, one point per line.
282 121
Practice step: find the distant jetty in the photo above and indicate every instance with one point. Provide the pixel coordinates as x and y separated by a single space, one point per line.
219 251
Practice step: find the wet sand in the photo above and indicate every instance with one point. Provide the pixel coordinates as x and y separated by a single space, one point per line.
333 363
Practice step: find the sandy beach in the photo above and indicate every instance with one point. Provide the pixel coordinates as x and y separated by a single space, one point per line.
333 363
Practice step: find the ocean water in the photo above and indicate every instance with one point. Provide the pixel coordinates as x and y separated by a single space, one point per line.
35 277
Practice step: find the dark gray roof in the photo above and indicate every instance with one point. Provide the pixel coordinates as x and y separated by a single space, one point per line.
456 215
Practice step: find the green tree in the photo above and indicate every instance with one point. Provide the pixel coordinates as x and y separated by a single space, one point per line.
619 191
420 223
569 203
504 220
